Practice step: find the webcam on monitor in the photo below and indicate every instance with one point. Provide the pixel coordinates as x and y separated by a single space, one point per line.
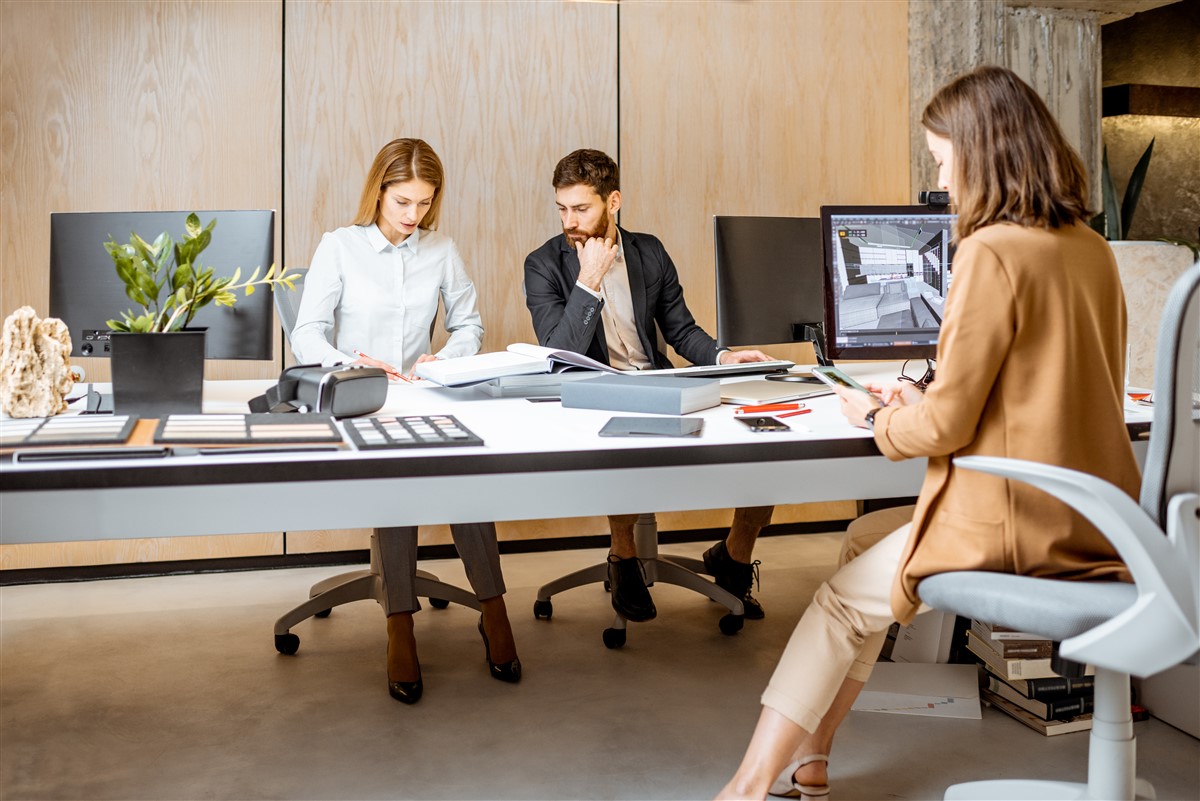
934 198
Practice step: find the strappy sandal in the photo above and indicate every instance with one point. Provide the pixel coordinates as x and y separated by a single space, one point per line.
785 785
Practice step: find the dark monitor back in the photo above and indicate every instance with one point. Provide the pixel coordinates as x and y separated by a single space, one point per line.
85 291
887 275
769 278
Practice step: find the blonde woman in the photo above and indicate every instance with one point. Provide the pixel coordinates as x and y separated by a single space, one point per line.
370 297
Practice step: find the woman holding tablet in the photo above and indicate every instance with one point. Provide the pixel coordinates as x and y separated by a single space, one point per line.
373 288
1030 366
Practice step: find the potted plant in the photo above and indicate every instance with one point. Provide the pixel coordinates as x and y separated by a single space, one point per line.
1148 268
157 359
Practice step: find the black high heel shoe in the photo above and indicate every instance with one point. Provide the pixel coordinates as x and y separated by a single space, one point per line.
407 692
508 671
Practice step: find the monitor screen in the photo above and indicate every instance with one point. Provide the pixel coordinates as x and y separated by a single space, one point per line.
887 274
85 291
769 279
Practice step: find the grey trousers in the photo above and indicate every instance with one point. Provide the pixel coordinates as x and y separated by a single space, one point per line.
476 546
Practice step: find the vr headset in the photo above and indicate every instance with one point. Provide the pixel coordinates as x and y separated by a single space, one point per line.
339 391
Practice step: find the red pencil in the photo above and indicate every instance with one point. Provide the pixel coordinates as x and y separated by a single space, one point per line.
768 407
793 414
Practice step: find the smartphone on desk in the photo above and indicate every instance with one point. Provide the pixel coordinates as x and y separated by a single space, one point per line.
758 423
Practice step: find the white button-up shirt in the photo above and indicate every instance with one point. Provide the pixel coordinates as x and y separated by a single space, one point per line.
364 293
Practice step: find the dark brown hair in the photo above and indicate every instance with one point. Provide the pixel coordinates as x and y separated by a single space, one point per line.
590 167
402 160
1011 160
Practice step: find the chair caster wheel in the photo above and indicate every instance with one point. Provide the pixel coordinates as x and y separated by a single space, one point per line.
543 609
287 643
323 613
438 603
731 624
614 638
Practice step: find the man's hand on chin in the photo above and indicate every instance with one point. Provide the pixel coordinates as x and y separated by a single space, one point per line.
743 356
596 257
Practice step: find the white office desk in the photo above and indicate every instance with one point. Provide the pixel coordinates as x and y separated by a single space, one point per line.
538 460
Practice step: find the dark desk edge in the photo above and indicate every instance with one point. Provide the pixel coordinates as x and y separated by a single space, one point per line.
339 468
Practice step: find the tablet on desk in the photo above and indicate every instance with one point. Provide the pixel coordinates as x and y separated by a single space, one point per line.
652 427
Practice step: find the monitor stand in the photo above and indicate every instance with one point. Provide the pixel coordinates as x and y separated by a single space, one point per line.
97 403
814 333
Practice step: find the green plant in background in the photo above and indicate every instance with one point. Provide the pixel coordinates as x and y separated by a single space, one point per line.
148 269
1114 221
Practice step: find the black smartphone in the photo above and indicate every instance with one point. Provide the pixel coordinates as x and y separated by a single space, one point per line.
760 423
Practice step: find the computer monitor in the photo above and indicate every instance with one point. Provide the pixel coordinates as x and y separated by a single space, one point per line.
887 272
85 291
770 280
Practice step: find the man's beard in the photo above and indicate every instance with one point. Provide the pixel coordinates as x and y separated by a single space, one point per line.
574 235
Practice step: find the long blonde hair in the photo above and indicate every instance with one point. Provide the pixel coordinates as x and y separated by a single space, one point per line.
402 160
1011 160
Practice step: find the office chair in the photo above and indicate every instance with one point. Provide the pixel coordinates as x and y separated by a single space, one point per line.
287 303
358 585
1122 629
681 571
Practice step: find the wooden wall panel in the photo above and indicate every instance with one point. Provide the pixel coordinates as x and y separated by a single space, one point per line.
155 549
113 106
757 108
500 90
132 105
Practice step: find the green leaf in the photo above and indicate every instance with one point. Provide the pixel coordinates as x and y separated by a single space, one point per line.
192 225
249 290
1112 218
144 249
202 241
1133 190
183 276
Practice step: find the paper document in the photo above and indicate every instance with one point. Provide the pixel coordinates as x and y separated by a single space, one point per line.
518 359
940 691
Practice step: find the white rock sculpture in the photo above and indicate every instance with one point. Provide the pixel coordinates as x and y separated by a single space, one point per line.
35 365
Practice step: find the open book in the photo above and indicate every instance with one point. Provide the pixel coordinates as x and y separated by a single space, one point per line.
519 359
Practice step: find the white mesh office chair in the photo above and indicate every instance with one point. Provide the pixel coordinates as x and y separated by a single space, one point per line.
1122 629
358 585
682 571
287 303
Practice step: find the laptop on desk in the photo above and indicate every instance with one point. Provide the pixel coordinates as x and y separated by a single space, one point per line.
756 391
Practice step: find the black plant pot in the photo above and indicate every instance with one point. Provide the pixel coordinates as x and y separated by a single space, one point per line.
158 374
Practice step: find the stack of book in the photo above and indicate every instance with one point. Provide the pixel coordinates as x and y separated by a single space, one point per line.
1022 684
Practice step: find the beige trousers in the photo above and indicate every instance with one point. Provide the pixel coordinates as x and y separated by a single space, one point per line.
841 633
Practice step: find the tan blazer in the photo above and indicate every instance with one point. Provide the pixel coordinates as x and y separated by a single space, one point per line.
1031 360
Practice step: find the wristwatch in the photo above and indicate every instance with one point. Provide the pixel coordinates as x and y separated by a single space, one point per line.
869 417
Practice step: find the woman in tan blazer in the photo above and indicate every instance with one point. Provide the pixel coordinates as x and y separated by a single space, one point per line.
1030 366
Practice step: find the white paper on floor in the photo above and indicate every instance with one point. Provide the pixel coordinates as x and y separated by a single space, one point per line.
910 688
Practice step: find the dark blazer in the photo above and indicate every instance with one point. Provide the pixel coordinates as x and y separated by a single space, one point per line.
567 317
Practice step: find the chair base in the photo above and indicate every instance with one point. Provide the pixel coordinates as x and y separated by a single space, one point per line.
1030 790
362 585
680 571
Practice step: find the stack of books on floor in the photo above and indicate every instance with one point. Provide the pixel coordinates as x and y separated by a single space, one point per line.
1022 684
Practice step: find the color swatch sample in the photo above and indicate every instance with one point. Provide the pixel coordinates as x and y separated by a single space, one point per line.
246 429
76 429
409 431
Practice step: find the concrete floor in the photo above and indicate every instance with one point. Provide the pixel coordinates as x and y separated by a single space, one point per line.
170 688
